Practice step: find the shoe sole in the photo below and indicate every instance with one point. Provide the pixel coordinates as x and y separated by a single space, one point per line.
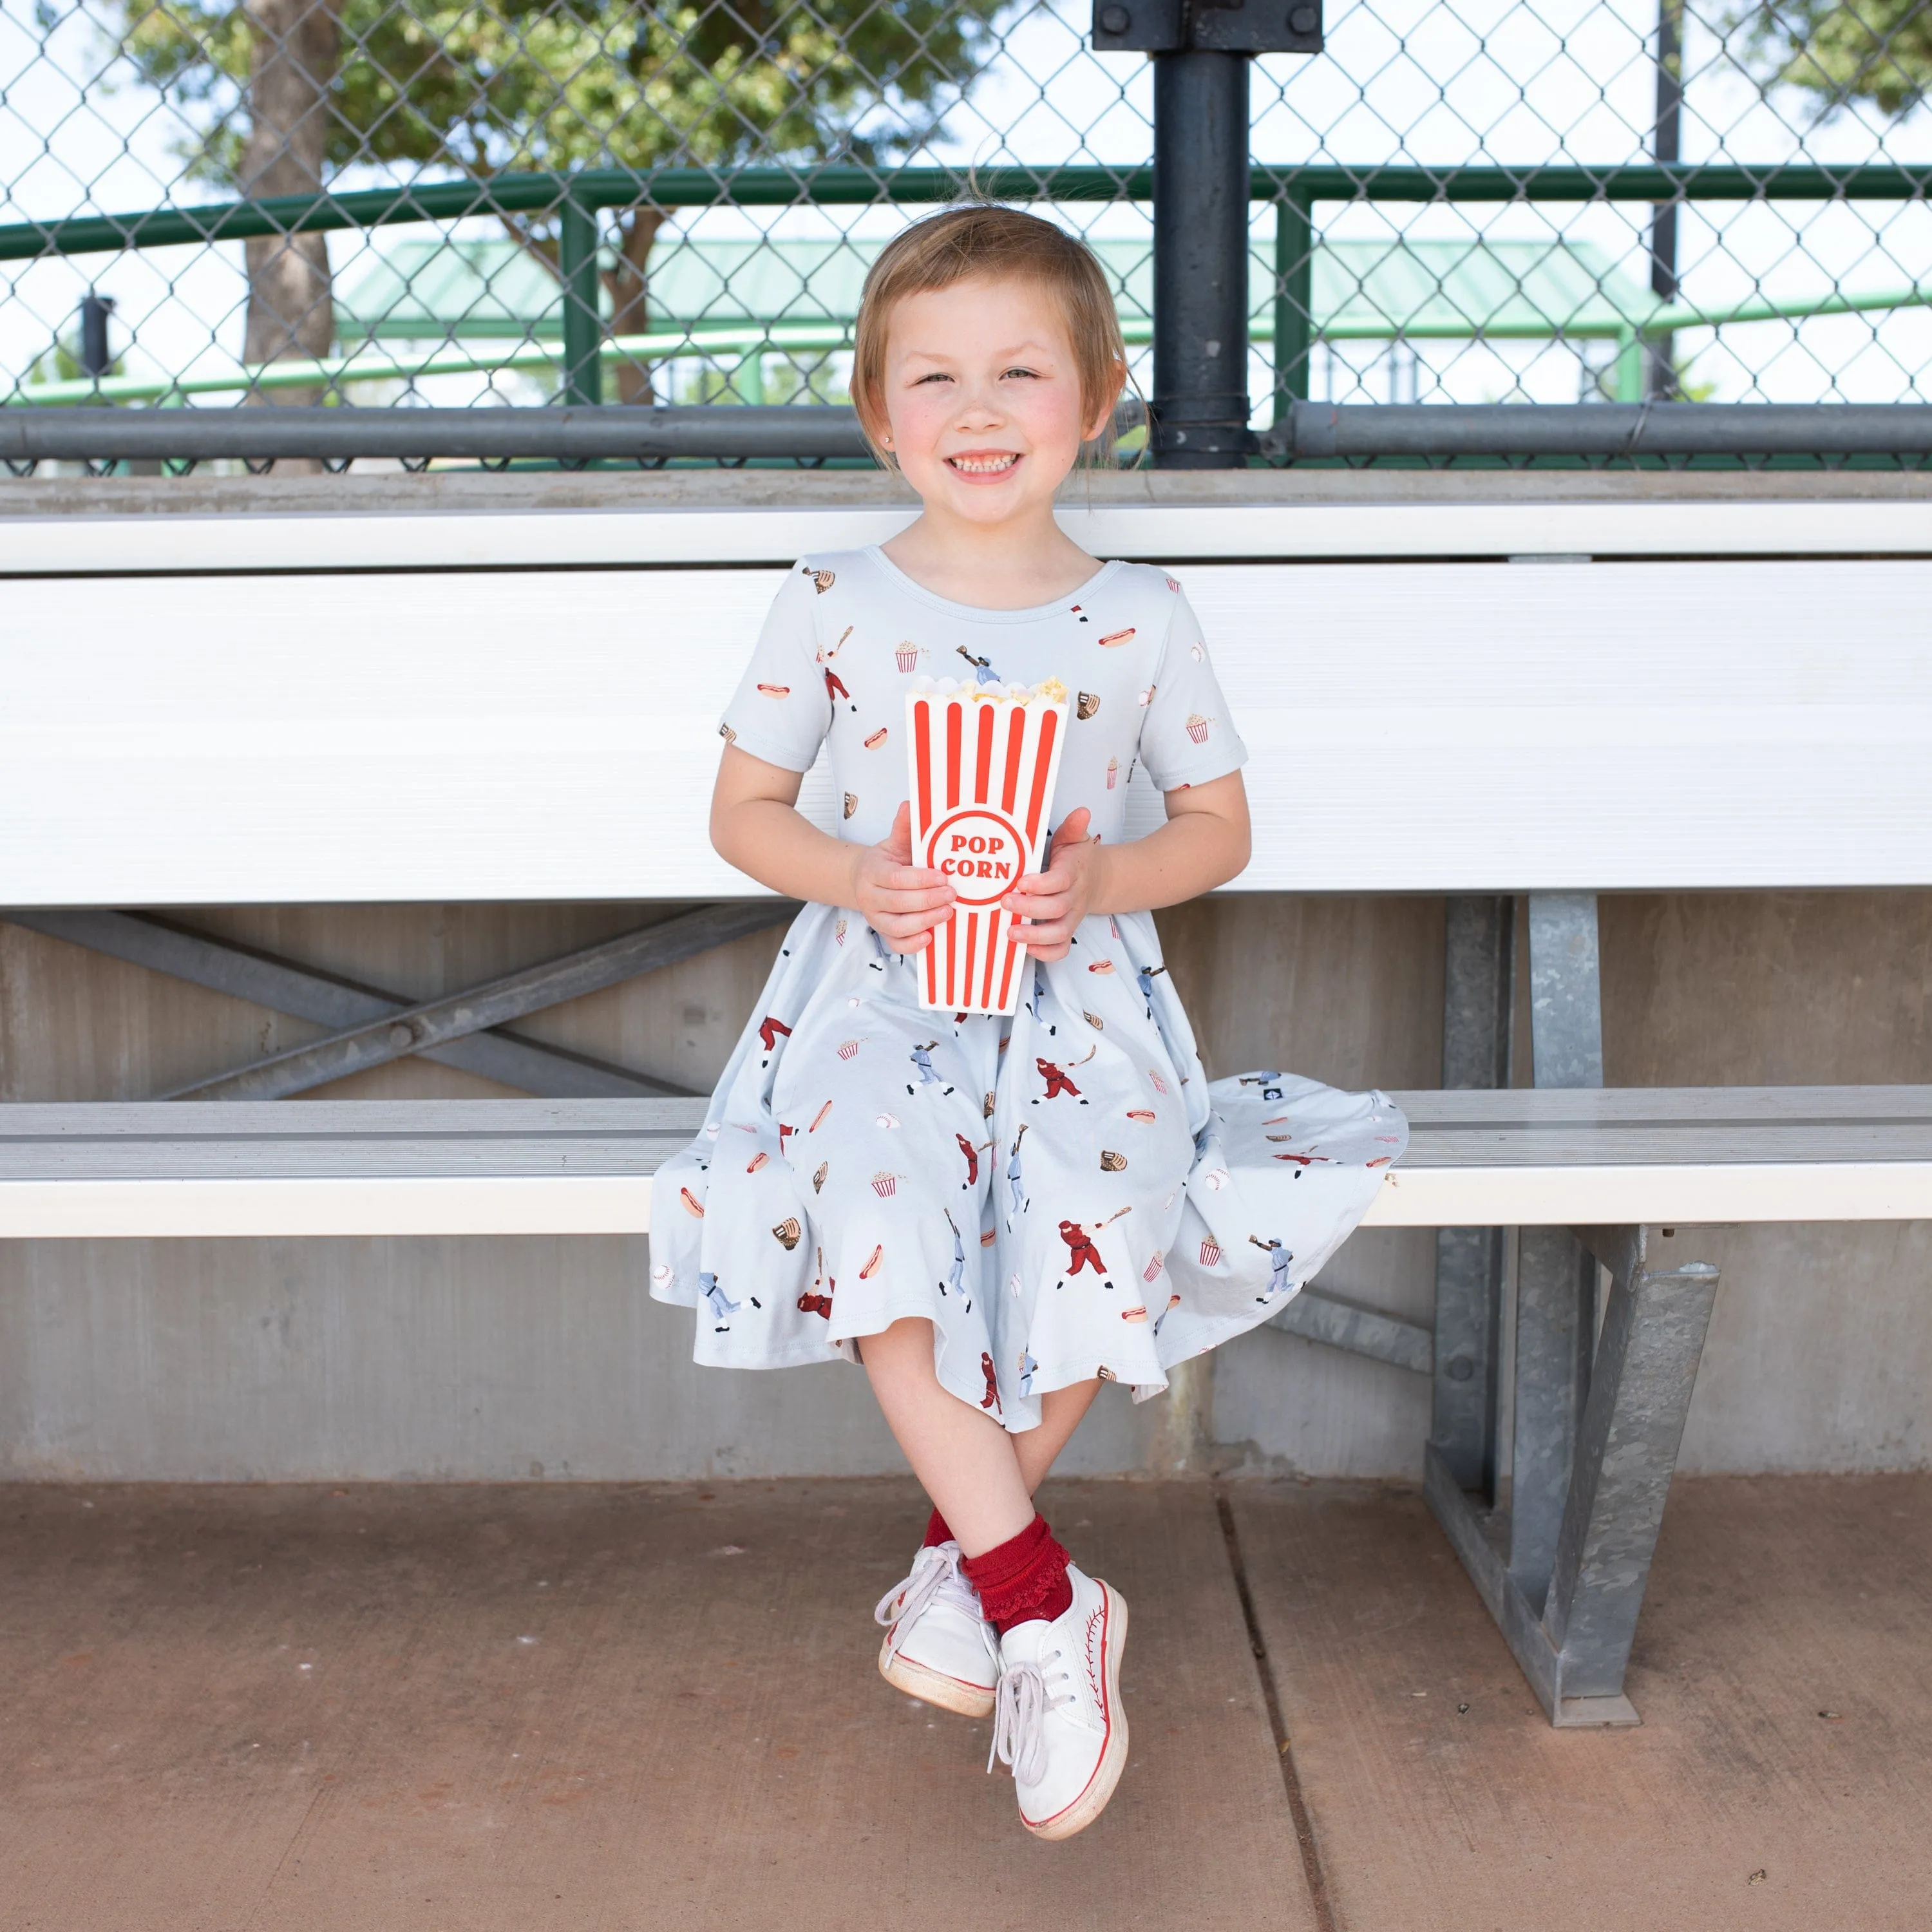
933 1687
1091 1802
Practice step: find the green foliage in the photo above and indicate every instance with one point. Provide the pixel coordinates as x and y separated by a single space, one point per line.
542 84
1848 50
62 364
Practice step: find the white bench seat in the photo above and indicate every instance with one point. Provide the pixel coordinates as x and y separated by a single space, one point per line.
1522 1157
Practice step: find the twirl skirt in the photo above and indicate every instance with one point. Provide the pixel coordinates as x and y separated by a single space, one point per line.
1062 1194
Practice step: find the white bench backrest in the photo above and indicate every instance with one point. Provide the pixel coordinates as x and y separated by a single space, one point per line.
374 732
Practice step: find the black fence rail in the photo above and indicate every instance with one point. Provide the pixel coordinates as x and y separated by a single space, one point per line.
1429 433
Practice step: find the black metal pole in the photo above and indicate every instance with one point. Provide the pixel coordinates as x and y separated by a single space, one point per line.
737 432
1666 143
1200 401
96 360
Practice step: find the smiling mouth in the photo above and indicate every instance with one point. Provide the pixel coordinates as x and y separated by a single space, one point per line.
991 463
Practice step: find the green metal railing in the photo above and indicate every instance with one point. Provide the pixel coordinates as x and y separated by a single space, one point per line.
806 338
575 198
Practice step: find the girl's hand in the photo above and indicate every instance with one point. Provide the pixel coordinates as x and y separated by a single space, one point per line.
1054 902
902 902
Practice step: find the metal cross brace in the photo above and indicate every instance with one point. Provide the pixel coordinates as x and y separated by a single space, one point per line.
1318 1317
372 1027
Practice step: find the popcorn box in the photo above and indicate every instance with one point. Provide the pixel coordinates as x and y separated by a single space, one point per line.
984 762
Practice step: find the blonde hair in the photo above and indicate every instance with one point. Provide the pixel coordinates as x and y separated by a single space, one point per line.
984 240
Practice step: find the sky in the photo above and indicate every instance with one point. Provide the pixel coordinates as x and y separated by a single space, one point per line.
1481 80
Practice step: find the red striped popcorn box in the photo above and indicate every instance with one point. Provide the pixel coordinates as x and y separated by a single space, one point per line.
984 762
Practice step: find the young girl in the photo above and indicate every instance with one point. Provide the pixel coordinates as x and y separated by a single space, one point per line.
994 1216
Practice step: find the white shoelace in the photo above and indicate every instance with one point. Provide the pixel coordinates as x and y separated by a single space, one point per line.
935 1574
1020 1707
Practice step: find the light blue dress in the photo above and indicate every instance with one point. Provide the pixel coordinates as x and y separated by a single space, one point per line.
1062 1194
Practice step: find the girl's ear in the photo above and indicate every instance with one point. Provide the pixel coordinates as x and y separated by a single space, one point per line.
874 425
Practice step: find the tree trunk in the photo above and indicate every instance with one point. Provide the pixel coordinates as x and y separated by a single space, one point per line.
291 309
630 309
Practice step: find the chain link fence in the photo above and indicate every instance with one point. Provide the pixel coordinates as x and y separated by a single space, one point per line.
457 203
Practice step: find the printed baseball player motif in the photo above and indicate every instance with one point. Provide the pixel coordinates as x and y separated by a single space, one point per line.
1081 1253
1281 1259
955 1282
922 1060
1058 1081
892 1144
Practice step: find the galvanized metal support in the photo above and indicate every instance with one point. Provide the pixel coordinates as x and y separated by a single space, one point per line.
1317 1317
583 321
1566 1007
1653 1338
355 1049
549 1072
1199 408
1293 299
1478 977
1555 1325
1572 1639
1556 1281
1597 1421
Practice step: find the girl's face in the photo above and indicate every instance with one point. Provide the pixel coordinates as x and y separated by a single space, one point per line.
981 397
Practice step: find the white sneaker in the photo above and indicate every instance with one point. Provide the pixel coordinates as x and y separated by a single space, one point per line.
939 1647
1060 1723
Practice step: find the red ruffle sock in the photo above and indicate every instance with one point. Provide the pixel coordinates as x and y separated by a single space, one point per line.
1023 1578
936 1531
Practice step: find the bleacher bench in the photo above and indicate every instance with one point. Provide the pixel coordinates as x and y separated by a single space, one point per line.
1452 700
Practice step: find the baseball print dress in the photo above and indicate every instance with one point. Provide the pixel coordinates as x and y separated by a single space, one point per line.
1062 1193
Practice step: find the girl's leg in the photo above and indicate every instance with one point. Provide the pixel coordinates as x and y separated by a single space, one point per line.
966 1461
1059 1412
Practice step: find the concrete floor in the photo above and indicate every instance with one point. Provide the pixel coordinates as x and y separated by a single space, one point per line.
556 1706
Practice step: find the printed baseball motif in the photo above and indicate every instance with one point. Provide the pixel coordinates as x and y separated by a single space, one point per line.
1057 1188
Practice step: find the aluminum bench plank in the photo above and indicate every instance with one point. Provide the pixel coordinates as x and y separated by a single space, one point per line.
1169 532
508 1167
428 736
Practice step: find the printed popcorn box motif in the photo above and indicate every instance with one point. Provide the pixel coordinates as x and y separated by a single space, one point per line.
984 760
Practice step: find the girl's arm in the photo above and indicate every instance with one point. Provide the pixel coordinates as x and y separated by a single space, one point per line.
1204 843
755 826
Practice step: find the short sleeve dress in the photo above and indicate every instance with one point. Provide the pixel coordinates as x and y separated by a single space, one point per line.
1062 1194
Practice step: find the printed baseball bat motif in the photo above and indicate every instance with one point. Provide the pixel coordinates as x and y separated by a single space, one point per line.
984 760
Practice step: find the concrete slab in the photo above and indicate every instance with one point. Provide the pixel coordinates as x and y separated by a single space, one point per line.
562 1707
1781 1776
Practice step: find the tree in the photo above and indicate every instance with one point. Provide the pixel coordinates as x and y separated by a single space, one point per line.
519 85
1849 50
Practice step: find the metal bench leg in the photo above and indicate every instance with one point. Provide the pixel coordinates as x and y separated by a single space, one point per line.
1646 1366
1478 942
1555 1324
1570 1629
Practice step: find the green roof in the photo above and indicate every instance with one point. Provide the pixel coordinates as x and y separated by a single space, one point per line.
433 288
